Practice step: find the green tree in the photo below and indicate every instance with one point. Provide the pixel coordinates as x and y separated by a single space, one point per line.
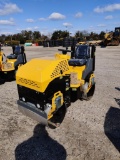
93 36
79 35
60 34
2 38
101 35
37 35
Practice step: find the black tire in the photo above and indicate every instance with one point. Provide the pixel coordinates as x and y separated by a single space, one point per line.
10 76
58 117
15 74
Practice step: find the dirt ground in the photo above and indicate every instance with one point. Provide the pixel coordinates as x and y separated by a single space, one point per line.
90 130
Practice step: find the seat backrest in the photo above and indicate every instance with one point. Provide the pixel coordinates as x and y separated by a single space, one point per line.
82 52
17 50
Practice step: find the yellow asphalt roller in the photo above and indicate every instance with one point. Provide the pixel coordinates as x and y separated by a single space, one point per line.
46 87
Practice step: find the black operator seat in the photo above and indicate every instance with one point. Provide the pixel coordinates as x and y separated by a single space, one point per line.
82 54
21 58
16 52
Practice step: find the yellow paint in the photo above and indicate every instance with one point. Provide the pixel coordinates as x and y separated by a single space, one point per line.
56 95
38 73
8 65
76 76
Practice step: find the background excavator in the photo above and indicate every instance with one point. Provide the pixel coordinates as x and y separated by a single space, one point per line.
112 38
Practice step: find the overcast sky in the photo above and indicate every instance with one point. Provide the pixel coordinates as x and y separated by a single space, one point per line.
47 16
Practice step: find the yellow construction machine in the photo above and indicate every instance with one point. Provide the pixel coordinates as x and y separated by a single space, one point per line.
46 87
112 38
10 64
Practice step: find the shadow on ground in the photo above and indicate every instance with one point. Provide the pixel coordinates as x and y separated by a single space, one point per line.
40 147
117 99
112 126
117 88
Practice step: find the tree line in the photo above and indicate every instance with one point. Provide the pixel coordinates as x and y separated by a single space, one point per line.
36 36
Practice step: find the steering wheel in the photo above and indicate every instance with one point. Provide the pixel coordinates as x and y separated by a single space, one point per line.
64 51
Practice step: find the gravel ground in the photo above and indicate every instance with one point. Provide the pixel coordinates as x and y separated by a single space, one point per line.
90 130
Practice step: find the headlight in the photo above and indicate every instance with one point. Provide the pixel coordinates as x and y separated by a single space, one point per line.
38 106
23 99
7 65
